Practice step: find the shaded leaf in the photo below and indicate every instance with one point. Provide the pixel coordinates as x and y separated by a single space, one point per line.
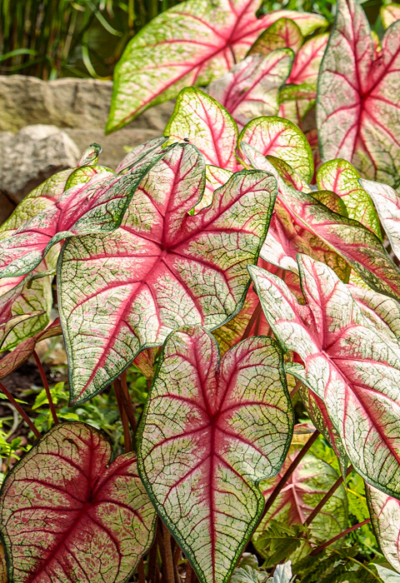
247 574
215 177
284 33
67 515
350 365
251 88
90 156
358 104
281 138
192 43
385 517
162 269
343 179
306 487
209 434
356 244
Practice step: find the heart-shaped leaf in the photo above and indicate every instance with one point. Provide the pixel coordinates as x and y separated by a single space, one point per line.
209 434
67 515
358 104
389 14
350 365
201 120
162 269
251 88
343 179
284 33
385 518
305 488
387 203
300 92
355 243
93 207
192 44
281 138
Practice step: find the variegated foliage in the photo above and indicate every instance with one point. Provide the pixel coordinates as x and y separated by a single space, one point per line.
163 268
358 104
211 431
305 488
190 44
349 363
67 515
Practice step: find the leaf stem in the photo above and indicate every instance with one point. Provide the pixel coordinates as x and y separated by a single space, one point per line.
46 387
152 560
20 410
339 536
325 499
169 561
127 402
359 563
282 482
119 395
295 389
141 573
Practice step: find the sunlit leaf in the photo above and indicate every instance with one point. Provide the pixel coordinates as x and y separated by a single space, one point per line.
385 517
283 139
284 33
251 88
215 177
358 104
306 487
389 14
343 179
67 515
162 269
351 366
387 203
90 156
202 121
96 206
354 242
192 43
210 433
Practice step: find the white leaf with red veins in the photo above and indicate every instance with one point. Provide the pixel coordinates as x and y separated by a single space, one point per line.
192 43
349 364
162 268
385 518
251 88
210 432
358 103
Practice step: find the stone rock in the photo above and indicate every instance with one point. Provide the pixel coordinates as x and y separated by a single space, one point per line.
31 156
114 147
66 103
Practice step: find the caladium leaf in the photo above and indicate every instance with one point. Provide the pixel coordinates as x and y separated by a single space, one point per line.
202 121
319 416
387 203
280 138
385 517
209 434
349 364
139 152
192 44
358 105
289 175
24 350
308 484
215 177
251 88
341 177
389 14
284 33
355 243
285 239
163 268
300 92
93 207
67 514
90 156
383 312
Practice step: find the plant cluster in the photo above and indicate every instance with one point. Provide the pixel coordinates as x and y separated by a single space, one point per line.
245 264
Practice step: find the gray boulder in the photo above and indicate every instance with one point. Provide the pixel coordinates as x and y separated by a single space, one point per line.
32 155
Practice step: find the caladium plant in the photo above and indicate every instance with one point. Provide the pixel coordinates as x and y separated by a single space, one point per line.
152 263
